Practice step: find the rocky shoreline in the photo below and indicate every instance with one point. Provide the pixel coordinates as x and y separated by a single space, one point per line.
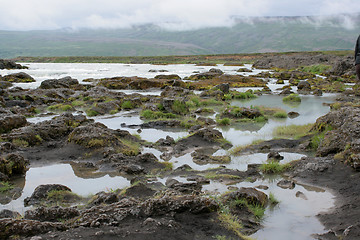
149 209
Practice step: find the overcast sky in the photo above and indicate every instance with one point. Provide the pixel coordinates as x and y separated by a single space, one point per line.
179 14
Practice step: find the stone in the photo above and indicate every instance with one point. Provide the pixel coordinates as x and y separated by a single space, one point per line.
251 195
286 184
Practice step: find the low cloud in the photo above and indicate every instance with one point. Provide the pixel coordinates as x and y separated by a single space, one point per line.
169 14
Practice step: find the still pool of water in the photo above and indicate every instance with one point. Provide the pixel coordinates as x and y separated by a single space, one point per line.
293 218
63 174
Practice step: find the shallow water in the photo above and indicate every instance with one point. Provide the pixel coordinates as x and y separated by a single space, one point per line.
65 175
81 71
293 218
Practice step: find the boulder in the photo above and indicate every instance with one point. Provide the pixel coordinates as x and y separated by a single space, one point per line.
252 196
274 156
20 227
66 82
52 214
286 184
169 76
18 78
8 64
13 164
304 87
7 123
41 193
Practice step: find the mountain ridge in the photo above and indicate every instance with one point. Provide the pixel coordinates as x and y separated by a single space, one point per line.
249 35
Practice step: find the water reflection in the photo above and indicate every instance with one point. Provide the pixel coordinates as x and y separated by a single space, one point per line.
62 174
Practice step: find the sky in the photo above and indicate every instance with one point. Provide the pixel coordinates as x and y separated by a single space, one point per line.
171 14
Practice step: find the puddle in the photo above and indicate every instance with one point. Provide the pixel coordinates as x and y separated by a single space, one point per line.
62 174
294 217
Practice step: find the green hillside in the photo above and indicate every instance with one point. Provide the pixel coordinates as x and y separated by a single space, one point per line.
262 35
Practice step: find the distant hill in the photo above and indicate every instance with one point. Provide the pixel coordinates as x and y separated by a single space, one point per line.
251 35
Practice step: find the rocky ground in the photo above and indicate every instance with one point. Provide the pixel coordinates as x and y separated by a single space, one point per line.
149 209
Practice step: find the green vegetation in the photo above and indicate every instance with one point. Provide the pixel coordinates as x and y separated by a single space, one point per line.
292 98
60 108
272 200
60 197
316 69
292 131
282 114
131 148
274 167
238 149
5 186
152 115
319 135
214 175
179 107
20 142
91 113
168 166
96 143
127 105
223 121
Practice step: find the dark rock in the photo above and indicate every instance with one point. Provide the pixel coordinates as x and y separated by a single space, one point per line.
133 169
140 190
301 195
7 123
293 114
252 196
52 214
55 128
170 76
168 141
66 82
286 91
170 182
304 87
4 84
224 87
286 184
11 227
104 197
341 67
41 193
317 92
9 214
274 156
13 164
8 64
18 77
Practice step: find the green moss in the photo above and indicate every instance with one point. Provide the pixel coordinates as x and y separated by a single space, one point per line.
20 142
91 113
292 98
282 114
223 121
316 69
149 114
179 107
96 143
214 175
319 136
292 131
274 167
5 186
60 108
127 105
272 200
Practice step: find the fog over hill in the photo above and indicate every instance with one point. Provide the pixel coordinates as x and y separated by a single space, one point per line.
247 35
